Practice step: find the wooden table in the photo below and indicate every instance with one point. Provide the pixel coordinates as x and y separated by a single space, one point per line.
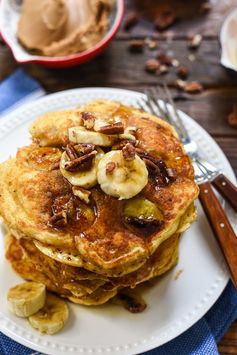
118 67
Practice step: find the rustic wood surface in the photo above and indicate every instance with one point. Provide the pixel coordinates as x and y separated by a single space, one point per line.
118 67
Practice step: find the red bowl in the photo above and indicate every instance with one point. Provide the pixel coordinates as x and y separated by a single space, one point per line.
9 15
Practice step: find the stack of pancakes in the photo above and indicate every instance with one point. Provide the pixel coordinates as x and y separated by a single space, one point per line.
98 252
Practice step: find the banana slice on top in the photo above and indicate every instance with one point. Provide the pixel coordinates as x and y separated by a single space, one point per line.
83 178
82 135
26 298
52 317
126 179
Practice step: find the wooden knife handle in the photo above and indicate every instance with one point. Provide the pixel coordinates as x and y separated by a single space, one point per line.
221 227
226 189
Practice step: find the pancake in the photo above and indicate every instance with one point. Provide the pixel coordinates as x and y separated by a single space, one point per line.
103 242
77 284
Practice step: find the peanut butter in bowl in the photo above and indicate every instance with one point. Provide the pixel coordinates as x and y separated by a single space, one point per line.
58 28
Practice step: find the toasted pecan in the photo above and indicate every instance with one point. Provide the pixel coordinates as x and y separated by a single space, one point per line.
114 128
75 164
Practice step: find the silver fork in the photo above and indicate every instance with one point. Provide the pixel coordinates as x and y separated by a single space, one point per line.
204 171
205 174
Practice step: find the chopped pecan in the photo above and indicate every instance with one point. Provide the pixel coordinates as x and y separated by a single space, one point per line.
164 58
71 152
84 148
195 41
163 69
232 118
193 87
88 120
152 65
114 128
183 72
129 152
131 20
75 164
83 194
180 84
136 45
55 165
110 167
151 43
58 220
119 145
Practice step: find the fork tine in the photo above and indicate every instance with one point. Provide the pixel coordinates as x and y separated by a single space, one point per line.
178 123
155 92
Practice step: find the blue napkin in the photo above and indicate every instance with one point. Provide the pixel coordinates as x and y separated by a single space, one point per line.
201 338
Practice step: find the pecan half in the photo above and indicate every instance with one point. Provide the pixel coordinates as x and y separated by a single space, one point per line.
58 220
88 120
114 128
193 87
110 167
129 152
136 45
152 65
71 152
76 163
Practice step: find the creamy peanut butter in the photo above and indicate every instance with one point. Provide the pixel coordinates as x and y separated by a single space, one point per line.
62 27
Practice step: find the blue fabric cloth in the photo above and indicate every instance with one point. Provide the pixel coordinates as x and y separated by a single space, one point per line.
201 338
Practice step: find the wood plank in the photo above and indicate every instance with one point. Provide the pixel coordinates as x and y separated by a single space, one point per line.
190 19
228 344
229 147
117 66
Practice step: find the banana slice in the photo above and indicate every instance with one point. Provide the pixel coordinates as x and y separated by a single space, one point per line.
82 135
26 299
126 180
52 317
59 255
83 178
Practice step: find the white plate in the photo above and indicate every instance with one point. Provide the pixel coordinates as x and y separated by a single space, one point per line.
173 305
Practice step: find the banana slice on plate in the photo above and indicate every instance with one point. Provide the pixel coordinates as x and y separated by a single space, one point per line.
26 299
83 178
127 178
52 317
82 135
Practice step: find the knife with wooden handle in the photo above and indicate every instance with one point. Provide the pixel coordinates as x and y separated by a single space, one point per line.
221 227
226 189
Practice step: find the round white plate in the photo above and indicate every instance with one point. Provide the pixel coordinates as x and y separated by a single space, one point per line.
173 305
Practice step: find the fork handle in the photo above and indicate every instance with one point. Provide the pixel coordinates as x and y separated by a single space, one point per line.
221 227
226 189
